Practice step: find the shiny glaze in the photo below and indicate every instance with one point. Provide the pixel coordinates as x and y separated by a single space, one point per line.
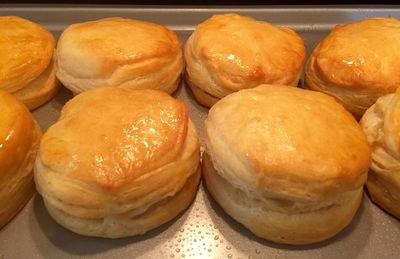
19 141
26 49
240 52
362 56
113 42
110 152
271 135
16 135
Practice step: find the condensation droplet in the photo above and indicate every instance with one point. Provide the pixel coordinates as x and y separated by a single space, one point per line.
228 247
257 251
182 255
177 250
197 226
199 232
195 240
172 255
221 241
182 230
215 227
179 240
229 255
216 237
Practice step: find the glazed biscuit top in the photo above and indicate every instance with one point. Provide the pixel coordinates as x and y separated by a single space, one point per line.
287 140
18 132
26 49
106 44
108 137
361 55
241 52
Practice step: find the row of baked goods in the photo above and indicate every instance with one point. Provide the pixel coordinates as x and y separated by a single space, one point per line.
103 171
124 157
356 63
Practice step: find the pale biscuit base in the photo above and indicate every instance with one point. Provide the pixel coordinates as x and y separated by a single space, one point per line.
384 193
117 226
277 226
201 96
381 124
41 90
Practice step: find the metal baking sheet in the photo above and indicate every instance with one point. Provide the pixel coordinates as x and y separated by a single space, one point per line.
203 230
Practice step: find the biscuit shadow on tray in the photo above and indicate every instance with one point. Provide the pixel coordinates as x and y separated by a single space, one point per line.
346 238
185 92
62 97
47 229
49 112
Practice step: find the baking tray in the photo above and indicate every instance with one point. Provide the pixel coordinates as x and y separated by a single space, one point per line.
203 230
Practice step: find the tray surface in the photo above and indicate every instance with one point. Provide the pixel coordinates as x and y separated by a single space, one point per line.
203 230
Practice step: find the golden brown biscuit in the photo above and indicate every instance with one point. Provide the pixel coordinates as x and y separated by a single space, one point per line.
26 67
19 142
119 52
357 62
40 90
119 162
381 123
229 52
287 163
